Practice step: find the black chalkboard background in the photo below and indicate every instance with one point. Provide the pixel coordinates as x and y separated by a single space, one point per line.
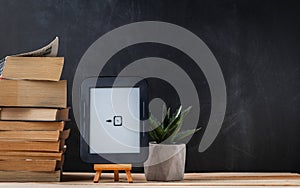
255 42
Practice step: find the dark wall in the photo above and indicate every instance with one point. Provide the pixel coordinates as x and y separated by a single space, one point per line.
255 42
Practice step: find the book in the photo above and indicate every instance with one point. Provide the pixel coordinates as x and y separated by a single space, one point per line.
13 155
64 134
33 68
30 135
33 103
50 50
59 164
30 146
35 135
26 176
34 114
30 126
23 93
28 165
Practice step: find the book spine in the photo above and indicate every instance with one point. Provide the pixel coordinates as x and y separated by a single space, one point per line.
23 176
29 165
30 146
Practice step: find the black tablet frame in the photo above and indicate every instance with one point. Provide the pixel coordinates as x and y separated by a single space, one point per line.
112 82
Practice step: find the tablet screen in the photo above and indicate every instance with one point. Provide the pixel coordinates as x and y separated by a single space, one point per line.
114 120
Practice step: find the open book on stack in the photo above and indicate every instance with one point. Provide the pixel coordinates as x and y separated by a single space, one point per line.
33 111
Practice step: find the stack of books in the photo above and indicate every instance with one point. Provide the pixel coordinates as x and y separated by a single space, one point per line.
33 111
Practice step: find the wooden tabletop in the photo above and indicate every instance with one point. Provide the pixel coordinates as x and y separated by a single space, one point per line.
74 180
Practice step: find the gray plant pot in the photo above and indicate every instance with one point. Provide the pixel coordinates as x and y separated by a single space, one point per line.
165 162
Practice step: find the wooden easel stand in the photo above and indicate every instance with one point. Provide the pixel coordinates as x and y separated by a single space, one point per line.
114 167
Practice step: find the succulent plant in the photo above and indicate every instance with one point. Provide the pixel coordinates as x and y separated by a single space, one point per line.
169 130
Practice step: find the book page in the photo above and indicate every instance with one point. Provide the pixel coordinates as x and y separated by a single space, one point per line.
49 50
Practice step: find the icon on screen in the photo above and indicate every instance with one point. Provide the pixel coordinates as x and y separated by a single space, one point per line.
117 120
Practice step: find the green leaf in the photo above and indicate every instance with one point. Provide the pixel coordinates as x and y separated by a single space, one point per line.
178 111
156 129
173 118
169 130
164 112
153 136
186 111
172 127
166 119
153 122
176 131
179 123
184 134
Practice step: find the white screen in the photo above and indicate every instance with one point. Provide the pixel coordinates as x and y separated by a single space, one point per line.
109 104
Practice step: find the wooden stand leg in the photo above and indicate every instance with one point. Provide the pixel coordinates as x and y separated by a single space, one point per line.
115 167
116 175
97 176
129 178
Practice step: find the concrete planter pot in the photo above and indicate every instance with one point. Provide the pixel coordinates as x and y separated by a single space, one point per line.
165 162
